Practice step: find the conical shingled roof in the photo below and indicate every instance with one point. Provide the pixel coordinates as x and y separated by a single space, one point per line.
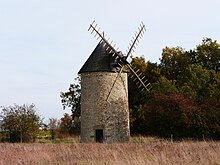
99 60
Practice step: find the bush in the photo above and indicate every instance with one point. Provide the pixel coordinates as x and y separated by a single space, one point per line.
20 123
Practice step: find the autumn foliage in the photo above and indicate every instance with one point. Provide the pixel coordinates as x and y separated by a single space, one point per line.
184 101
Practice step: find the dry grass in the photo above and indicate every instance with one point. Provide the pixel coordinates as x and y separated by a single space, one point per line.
135 153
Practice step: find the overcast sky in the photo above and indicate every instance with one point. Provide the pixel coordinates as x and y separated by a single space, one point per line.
44 43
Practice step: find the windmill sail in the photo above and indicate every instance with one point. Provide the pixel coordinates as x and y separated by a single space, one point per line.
122 60
135 40
141 84
109 47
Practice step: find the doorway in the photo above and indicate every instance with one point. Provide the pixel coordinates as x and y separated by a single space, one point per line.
99 135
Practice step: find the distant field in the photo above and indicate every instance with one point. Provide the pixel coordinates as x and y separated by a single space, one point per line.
136 152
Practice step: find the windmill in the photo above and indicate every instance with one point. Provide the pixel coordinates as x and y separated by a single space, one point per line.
104 93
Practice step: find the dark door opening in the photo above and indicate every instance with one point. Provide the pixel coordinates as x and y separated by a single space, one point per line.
99 136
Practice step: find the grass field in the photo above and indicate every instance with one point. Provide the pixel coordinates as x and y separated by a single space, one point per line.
136 152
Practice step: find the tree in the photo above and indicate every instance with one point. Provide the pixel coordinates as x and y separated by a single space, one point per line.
184 96
61 128
53 127
194 72
68 126
164 85
21 123
176 114
173 62
195 82
151 73
71 99
211 107
208 54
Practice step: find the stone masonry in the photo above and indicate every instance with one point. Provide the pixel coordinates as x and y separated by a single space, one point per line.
97 113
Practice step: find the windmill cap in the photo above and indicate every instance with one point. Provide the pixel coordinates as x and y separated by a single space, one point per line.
99 61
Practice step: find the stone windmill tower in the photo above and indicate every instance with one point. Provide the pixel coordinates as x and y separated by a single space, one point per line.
104 91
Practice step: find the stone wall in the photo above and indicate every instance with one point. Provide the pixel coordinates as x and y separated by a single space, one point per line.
112 115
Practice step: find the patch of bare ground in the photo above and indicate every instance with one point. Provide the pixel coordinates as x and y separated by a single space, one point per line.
149 153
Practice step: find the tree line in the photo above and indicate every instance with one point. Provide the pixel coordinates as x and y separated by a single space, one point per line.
185 97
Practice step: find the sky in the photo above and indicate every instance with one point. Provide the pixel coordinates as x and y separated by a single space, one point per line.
44 43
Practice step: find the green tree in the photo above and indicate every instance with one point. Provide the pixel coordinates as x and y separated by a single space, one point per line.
173 62
21 123
137 98
53 126
150 72
71 99
214 86
164 85
194 72
195 82
208 54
